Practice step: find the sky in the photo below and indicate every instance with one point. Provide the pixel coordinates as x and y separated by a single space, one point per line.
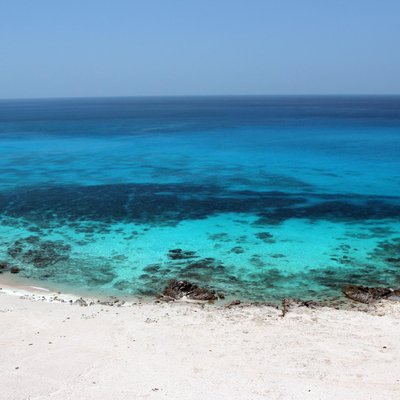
77 48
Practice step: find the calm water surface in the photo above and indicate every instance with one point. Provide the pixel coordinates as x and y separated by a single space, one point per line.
266 196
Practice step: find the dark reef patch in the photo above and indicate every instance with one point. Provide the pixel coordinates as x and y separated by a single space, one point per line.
266 237
52 261
350 210
219 237
168 204
387 250
365 294
199 270
177 289
277 255
393 260
91 210
237 250
5 266
266 283
37 252
257 261
179 254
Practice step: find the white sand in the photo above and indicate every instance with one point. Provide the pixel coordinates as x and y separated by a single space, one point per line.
183 351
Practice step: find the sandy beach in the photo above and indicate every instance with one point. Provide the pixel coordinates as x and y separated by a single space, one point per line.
55 350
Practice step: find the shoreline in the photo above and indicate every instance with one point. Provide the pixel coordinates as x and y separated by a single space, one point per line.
24 288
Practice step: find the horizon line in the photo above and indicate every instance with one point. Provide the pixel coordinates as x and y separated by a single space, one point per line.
199 95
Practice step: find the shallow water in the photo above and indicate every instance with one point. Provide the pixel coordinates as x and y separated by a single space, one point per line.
266 196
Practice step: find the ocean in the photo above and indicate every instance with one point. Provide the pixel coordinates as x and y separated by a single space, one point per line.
259 197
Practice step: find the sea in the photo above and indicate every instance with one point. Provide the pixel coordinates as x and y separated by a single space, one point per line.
258 197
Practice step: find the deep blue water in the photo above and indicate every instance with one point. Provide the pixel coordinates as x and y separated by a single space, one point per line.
266 196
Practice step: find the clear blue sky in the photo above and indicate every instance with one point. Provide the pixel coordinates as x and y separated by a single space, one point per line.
51 48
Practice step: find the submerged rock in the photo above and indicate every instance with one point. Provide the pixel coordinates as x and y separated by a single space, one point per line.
237 250
179 254
365 294
179 289
233 303
4 266
40 253
265 237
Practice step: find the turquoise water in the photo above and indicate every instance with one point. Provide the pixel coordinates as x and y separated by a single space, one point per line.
266 197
